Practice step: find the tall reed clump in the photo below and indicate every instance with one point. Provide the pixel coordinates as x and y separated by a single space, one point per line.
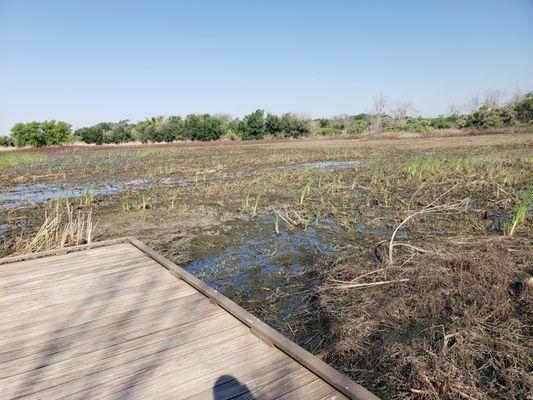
520 211
63 226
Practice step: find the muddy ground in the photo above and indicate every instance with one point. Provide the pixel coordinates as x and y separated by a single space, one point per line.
300 233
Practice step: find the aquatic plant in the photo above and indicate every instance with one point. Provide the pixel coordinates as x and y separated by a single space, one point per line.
305 192
421 168
126 202
522 206
87 198
256 205
276 224
144 199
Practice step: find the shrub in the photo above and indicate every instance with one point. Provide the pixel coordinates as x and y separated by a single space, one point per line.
416 125
6 141
359 125
323 122
274 126
484 118
94 134
328 131
230 135
203 127
524 109
252 125
149 130
172 129
441 123
46 133
294 126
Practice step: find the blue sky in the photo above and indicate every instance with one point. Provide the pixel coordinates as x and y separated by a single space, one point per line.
90 61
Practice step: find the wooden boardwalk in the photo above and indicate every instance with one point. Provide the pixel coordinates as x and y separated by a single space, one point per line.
116 320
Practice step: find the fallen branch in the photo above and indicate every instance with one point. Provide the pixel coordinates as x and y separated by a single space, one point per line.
349 285
430 208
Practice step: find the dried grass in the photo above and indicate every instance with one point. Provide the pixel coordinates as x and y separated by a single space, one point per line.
457 326
64 226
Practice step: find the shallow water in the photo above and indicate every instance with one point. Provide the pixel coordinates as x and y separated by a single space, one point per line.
265 272
323 164
40 192
269 274
236 265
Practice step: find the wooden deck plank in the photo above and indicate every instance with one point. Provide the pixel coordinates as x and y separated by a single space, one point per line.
315 389
64 262
129 353
112 322
91 286
102 325
157 376
63 308
65 280
90 267
256 357
146 313
271 381
13 363
75 265
107 381
54 296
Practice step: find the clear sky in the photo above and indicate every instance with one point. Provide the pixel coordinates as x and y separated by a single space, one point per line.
91 61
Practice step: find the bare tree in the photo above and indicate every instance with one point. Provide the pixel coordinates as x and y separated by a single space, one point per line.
473 104
379 105
518 95
493 98
400 110
454 110
378 109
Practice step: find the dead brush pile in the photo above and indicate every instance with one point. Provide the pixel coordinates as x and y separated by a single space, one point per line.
454 324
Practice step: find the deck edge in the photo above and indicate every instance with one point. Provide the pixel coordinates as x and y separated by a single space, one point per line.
329 374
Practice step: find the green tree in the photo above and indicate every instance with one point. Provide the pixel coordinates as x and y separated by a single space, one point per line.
524 109
46 133
294 126
94 134
484 118
6 141
252 125
120 132
203 127
172 129
149 130
273 125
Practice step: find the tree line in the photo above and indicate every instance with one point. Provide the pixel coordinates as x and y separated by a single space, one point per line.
489 112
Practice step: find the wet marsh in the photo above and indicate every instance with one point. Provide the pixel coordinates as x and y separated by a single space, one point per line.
300 234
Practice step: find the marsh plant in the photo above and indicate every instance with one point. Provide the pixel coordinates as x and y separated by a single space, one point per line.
63 226
520 211
144 199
